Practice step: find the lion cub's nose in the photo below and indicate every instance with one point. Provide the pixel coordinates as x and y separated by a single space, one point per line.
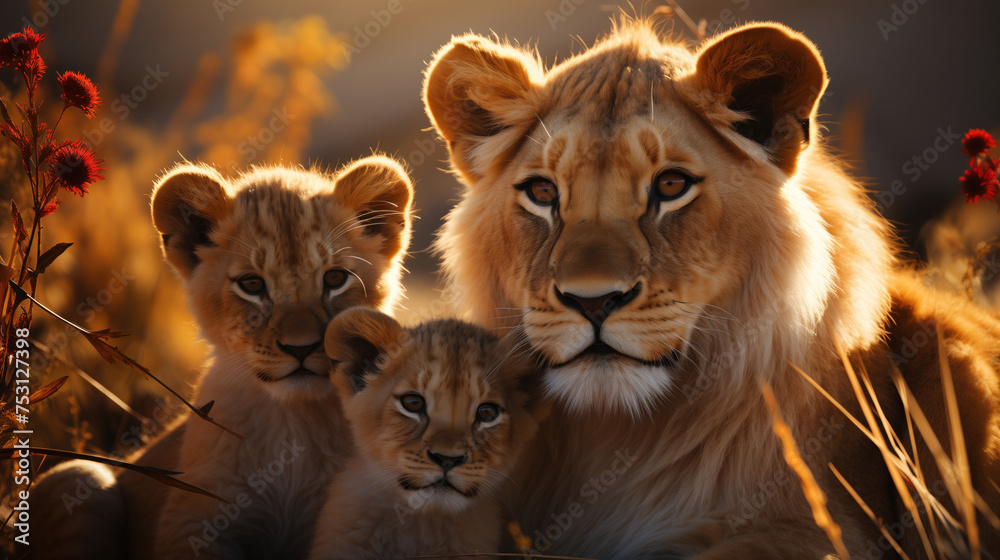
447 462
300 353
596 309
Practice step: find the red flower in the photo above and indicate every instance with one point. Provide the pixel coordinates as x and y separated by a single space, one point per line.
74 167
79 91
980 182
977 141
19 49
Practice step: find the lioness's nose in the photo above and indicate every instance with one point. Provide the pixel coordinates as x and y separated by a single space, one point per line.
596 309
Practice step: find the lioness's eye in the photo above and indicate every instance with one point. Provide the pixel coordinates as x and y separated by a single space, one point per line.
487 412
412 402
541 191
335 278
672 184
252 284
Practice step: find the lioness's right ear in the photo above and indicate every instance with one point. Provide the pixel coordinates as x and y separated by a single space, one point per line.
188 202
476 88
354 342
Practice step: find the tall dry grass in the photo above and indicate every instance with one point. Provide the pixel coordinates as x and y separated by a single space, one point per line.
114 276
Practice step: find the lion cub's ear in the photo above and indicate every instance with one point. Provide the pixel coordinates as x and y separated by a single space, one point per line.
763 81
188 202
476 88
379 190
355 341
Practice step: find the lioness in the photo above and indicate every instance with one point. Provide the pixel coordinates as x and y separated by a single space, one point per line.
673 234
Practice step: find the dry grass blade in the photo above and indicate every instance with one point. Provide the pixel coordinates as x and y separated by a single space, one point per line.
159 475
959 456
47 391
112 354
93 383
868 511
892 462
812 491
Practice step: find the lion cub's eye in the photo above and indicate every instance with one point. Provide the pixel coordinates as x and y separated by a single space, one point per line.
671 185
412 402
335 278
541 191
487 412
252 284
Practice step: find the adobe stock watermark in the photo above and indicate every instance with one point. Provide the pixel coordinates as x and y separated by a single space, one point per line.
258 482
898 16
256 143
590 492
132 440
125 104
766 489
86 309
44 13
365 33
916 166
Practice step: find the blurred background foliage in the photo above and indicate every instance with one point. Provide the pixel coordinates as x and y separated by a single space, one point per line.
301 82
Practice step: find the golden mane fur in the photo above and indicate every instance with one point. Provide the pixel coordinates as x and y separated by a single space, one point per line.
661 309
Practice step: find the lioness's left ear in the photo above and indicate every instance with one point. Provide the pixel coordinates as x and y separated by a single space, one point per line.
763 81
355 340
379 190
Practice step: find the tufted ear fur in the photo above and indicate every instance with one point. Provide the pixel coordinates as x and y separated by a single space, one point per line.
477 88
188 203
354 342
763 81
380 191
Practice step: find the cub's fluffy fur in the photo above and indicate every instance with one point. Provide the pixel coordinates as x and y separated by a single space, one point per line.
440 415
677 235
267 259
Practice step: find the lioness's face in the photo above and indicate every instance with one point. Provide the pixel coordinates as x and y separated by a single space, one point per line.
613 214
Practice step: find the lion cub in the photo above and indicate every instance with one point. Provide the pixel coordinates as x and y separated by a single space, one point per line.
267 260
440 412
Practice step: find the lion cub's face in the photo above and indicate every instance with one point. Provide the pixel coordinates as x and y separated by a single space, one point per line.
268 259
438 408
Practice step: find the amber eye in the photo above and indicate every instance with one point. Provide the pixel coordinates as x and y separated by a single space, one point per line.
253 285
671 185
335 278
487 412
412 402
541 191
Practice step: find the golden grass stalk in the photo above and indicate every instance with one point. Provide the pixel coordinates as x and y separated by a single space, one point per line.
868 511
812 491
904 464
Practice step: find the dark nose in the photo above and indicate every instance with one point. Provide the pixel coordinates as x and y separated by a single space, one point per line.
300 353
597 309
447 462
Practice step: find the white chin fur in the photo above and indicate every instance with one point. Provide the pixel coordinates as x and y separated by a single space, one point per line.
619 385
